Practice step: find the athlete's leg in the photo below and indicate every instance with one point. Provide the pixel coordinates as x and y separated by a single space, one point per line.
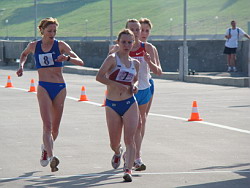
149 105
115 124
45 105
57 106
152 88
130 121
140 129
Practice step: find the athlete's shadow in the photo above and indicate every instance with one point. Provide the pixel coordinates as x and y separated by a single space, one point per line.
80 180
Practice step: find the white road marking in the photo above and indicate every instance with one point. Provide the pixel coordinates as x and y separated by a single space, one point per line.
158 115
121 174
203 122
89 102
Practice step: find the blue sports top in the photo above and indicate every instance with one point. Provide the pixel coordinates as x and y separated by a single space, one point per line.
47 59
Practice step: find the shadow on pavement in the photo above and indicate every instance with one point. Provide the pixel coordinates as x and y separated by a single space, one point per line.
80 180
241 182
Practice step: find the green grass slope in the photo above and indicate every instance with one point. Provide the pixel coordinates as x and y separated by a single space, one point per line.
91 17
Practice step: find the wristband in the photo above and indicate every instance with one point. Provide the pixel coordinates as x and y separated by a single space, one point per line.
68 59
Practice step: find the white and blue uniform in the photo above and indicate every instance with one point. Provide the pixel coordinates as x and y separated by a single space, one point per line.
144 94
47 60
124 75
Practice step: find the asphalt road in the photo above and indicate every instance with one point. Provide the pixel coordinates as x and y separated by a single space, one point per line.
212 153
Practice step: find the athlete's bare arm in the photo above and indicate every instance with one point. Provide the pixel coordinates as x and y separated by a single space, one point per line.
72 57
23 57
149 57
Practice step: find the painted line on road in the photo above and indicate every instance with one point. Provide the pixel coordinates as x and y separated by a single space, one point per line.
121 174
158 115
89 102
204 122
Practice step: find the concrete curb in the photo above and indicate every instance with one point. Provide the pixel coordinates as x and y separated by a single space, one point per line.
204 79
224 81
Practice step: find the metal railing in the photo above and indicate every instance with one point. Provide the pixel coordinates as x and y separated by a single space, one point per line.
107 38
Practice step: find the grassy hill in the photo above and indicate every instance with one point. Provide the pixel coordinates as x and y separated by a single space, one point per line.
91 17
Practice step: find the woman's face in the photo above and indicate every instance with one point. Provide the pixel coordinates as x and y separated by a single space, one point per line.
135 27
50 31
145 32
126 43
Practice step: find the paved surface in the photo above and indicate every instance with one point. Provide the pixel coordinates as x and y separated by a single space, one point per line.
211 153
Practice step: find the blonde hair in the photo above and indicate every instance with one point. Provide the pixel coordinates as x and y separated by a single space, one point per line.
146 21
45 22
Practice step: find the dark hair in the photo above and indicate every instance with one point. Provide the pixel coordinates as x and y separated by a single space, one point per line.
146 21
45 22
125 32
131 21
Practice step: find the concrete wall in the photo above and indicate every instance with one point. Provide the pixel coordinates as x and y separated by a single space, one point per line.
204 55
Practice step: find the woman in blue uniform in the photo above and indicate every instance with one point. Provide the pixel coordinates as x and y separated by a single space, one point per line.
143 52
49 55
120 72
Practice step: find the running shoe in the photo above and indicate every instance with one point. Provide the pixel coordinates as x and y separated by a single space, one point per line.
54 162
139 165
127 175
229 69
116 159
44 158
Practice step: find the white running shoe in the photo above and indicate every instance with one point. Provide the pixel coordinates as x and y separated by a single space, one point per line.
54 162
127 175
116 159
139 165
44 158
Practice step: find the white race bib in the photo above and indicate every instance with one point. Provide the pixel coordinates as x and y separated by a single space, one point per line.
46 59
124 76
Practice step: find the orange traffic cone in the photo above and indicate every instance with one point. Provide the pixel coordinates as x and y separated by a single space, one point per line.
104 102
9 84
32 86
83 96
195 113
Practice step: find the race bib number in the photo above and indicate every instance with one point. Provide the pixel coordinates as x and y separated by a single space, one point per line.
124 76
46 59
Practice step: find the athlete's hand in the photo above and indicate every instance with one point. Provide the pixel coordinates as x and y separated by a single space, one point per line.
61 58
19 72
147 57
134 89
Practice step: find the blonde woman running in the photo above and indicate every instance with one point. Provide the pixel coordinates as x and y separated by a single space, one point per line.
49 55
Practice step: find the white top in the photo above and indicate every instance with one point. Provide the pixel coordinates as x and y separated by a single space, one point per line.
143 74
121 73
235 35
144 71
